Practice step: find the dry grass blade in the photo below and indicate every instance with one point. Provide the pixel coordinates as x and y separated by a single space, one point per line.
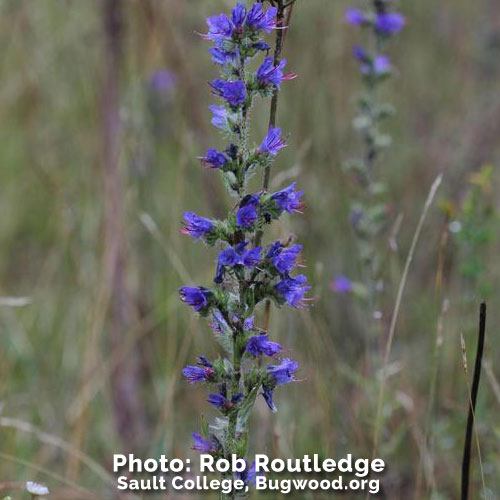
397 306
44 437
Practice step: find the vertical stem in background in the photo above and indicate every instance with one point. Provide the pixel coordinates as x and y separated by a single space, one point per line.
283 23
128 405
472 405
274 101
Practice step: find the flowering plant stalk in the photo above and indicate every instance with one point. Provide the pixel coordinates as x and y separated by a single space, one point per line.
369 212
247 274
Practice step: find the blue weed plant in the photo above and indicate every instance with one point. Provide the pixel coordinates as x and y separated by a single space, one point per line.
369 212
246 274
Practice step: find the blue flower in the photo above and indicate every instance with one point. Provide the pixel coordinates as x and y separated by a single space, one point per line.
229 257
274 249
221 56
283 373
252 257
260 19
278 375
197 297
261 46
292 290
203 445
247 475
389 23
163 80
196 226
267 393
220 29
286 260
220 400
380 65
355 17
269 74
238 15
288 199
203 361
214 159
219 118
247 215
248 323
273 142
196 374
233 92
341 284
259 344
217 400
237 256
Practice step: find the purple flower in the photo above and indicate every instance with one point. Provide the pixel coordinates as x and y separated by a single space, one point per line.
229 257
220 28
278 375
286 260
219 118
196 226
382 64
248 475
341 284
196 374
203 361
238 15
197 297
237 256
273 142
252 257
288 199
283 373
220 401
389 23
292 290
203 445
355 17
221 56
233 92
259 344
261 46
269 74
247 214
213 159
248 323
274 249
267 393
163 80
217 400
260 19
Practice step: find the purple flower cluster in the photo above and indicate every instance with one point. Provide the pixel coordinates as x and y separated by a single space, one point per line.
384 24
247 273
369 216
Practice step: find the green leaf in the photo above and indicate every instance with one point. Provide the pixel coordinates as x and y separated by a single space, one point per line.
225 341
245 409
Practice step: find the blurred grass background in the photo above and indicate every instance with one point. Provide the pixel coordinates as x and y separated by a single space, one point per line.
97 249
